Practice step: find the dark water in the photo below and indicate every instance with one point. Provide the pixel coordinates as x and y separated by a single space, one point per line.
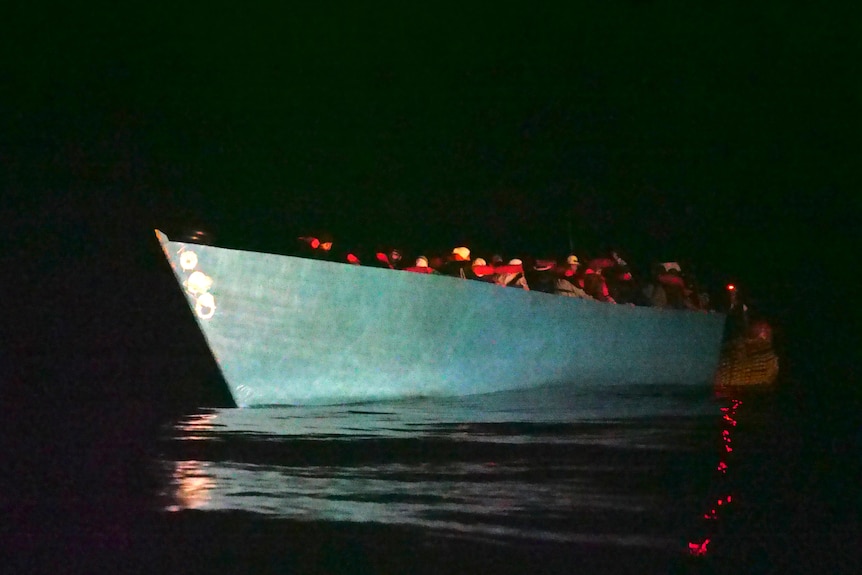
640 480
543 465
631 480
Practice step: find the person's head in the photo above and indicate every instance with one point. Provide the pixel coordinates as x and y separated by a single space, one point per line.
477 266
732 294
394 256
421 262
572 265
461 254
760 331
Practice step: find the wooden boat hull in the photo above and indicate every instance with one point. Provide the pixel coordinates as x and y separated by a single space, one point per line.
289 330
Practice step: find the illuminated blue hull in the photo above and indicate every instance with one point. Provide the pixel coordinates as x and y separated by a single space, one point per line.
288 330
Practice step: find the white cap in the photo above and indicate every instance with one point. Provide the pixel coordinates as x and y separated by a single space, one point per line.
462 253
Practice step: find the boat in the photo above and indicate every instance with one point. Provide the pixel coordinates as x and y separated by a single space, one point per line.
748 360
288 330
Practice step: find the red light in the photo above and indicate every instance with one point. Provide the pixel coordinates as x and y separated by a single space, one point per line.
352 259
698 548
315 243
731 287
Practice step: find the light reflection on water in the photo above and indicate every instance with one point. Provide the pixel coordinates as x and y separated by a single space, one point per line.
193 485
547 464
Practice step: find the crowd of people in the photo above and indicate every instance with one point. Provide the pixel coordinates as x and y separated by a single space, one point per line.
608 278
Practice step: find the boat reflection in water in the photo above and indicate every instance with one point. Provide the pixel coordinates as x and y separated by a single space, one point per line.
622 469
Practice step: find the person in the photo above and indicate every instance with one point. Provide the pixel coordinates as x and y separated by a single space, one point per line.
540 275
622 286
421 266
653 293
667 290
512 275
737 315
458 265
395 259
381 260
575 271
435 262
318 247
572 265
482 270
596 286
564 286
695 296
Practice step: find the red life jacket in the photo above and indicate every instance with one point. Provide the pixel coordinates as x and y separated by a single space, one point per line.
507 269
671 280
383 258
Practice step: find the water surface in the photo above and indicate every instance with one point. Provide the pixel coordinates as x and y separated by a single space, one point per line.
625 470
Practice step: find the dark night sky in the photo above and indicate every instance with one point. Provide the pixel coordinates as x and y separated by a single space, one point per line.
723 134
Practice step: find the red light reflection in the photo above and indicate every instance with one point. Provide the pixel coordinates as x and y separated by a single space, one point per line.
716 506
698 548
